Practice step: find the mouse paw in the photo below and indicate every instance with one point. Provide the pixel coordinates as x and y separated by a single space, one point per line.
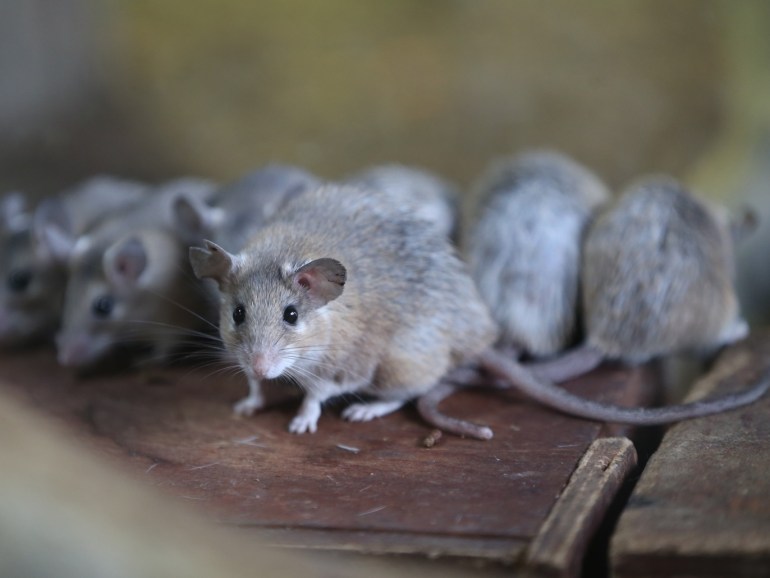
248 406
369 411
303 424
306 420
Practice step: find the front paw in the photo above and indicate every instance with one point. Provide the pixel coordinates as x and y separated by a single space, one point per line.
303 424
306 420
248 406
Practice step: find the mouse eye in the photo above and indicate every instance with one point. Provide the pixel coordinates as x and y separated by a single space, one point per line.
290 315
102 306
239 314
19 280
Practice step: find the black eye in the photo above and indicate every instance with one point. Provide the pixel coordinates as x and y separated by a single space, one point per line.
239 314
19 279
290 315
102 306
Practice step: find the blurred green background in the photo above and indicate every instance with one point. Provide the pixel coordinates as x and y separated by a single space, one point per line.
159 87
155 88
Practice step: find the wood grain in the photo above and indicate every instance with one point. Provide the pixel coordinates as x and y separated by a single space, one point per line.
366 486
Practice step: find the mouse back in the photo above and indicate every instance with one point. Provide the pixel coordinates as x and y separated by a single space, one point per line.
59 220
524 249
658 275
249 202
431 197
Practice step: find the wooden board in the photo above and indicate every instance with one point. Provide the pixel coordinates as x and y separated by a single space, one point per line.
369 487
701 507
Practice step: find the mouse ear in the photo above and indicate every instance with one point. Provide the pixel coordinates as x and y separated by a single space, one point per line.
211 262
53 230
323 279
193 218
13 212
125 261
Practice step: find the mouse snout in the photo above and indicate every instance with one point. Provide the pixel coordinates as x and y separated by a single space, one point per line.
266 364
77 350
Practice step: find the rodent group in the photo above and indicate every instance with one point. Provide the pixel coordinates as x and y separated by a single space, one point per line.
358 286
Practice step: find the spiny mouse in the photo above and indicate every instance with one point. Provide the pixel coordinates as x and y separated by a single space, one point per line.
33 268
524 249
524 252
657 279
346 291
129 284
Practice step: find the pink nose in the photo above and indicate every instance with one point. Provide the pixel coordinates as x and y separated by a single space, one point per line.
259 364
73 351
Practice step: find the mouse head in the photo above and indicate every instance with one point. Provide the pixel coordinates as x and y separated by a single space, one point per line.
29 302
274 313
115 294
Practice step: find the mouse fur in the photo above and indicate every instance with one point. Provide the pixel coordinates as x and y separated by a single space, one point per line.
32 257
524 249
384 306
129 283
431 197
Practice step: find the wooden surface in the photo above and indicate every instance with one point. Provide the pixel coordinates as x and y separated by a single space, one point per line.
702 506
369 487
557 549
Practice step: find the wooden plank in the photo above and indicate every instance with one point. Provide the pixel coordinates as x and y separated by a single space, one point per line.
701 507
559 547
372 487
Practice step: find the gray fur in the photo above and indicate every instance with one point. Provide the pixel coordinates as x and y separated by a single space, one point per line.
656 280
524 250
138 260
251 201
407 314
657 276
32 312
430 197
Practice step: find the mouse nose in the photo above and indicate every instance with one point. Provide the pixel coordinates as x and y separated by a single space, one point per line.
267 364
260 365
71 351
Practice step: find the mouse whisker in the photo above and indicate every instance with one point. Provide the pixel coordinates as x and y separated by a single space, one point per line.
178 328
186 309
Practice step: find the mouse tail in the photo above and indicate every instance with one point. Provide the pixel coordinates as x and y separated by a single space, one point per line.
555 397
568 365
427 406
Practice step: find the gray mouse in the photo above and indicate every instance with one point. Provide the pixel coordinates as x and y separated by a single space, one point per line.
347 293
433 199
33 270
525 247
656 279
524 252
239 209
129 284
